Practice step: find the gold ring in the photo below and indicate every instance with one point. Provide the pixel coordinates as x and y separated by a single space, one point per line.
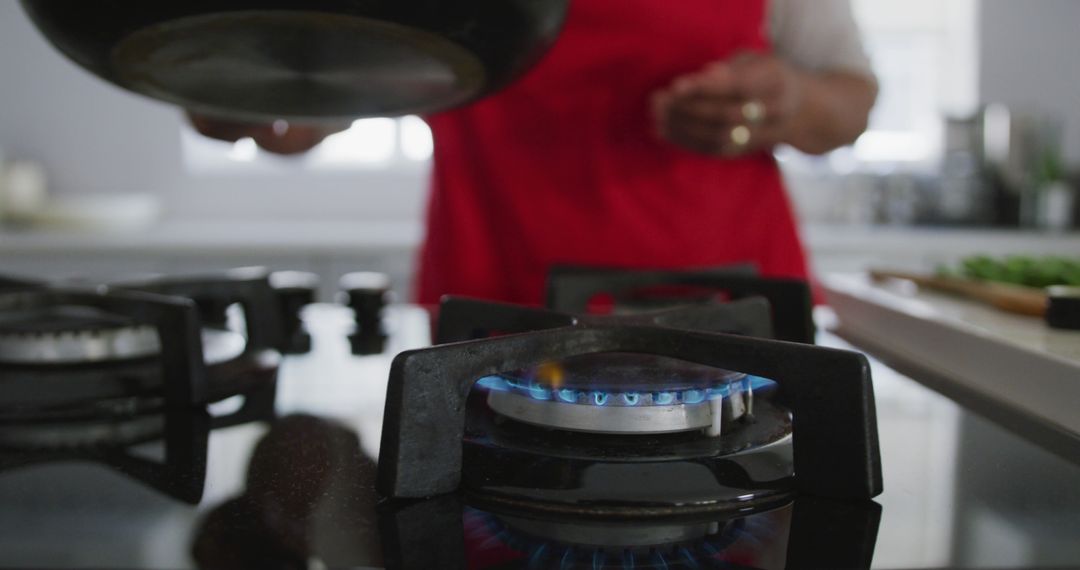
753 111
740 136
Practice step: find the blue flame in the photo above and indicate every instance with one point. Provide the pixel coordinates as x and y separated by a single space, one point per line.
537 555
567 559
693 396
538 392
757 382
718 392
497 383
664 398
688 557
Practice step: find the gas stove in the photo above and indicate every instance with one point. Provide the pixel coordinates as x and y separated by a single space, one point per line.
91 370
643 420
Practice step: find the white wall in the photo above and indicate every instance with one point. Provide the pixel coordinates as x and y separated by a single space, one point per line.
93 137
1031 57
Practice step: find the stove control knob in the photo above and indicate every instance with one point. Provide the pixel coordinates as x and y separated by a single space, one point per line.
1063 309
294 290
367 294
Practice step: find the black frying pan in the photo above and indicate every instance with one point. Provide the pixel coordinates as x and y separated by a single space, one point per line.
304 59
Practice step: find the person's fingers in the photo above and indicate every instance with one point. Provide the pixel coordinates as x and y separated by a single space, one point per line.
759 80
729 139
716 80
743 140
279 137
698 138
294 140
765 79
713 110
220 129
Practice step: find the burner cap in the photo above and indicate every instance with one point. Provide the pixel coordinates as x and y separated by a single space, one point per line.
623 393
70 334
63 318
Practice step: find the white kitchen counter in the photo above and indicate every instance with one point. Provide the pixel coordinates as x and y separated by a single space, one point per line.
1013 369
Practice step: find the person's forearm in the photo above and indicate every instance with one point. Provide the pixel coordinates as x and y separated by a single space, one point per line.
833 111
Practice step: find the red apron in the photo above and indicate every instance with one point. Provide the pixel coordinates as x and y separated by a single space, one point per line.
563 167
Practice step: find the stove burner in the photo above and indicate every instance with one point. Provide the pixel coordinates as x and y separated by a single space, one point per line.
81 335
623 393
87 373
71 334
814 434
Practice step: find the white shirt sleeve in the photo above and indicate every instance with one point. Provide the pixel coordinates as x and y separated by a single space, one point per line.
818 35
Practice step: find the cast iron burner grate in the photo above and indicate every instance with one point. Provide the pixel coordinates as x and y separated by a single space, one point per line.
439 436
571 289
88 373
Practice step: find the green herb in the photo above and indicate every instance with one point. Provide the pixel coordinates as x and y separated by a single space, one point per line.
1018 270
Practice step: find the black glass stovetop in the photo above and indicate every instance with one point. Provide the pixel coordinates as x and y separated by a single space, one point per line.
960 491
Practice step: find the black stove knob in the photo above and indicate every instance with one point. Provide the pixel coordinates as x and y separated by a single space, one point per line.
367 294
294 290
1063 308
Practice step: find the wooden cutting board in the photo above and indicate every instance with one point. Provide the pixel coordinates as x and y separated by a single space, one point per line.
1011 298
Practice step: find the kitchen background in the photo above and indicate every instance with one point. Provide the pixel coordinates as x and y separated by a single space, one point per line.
973 148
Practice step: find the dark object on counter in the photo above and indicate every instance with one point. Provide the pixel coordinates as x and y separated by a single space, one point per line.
262 60
832 432
367 294
1063 312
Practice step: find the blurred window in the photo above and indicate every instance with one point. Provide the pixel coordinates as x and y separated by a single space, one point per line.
369 144
925 55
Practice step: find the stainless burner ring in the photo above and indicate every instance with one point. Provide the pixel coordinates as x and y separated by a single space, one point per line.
124 343
626 412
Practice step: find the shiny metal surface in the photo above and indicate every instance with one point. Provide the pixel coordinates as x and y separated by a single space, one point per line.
318 65
595 419
645 417
71 347
108 345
